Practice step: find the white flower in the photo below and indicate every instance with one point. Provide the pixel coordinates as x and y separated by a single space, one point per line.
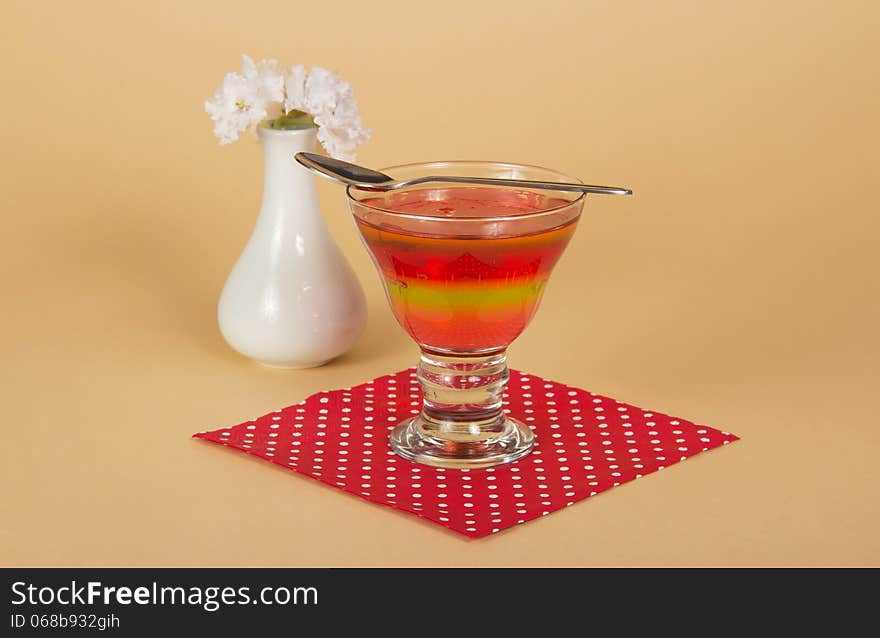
340 134
295 87
330 101
267 75
243 99
260 91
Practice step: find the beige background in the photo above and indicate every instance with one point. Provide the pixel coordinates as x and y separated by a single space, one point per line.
738 288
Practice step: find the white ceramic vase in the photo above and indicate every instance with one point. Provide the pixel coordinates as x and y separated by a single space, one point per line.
292 300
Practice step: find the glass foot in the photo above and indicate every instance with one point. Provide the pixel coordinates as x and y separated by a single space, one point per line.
412 440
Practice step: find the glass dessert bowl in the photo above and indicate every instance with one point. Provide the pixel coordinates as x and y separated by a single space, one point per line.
464 268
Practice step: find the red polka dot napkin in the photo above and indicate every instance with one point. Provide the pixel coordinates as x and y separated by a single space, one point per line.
585 444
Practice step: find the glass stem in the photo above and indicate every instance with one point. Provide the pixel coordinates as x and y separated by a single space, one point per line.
462 424
462 396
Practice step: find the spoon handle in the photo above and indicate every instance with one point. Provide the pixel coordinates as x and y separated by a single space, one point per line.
522 183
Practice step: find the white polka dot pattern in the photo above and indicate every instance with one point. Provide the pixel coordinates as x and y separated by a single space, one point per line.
585 444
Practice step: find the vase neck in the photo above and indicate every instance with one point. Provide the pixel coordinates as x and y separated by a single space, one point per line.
285 181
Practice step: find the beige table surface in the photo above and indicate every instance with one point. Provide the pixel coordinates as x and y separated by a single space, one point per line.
738 288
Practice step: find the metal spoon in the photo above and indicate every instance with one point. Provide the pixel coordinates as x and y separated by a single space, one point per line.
368 179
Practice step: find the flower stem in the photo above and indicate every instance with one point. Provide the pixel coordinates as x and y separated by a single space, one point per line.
290 121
